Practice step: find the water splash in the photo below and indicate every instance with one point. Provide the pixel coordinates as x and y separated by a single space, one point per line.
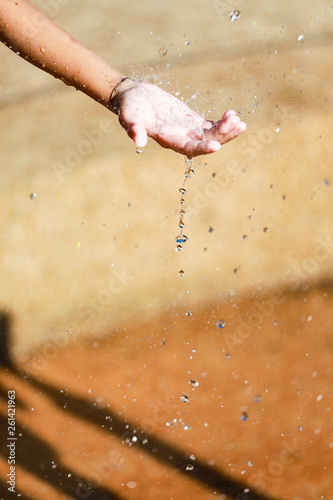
189 172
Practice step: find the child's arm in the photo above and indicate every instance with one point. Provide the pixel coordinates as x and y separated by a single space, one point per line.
36 38
143 109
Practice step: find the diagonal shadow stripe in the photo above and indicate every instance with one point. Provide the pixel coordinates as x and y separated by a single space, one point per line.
162 451
4 493
40 459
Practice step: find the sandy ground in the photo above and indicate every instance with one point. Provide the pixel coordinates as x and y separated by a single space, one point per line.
88 265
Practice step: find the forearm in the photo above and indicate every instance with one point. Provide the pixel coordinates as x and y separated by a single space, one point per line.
31 34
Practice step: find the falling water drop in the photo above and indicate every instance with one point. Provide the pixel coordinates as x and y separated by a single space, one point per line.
181 238
234 15
163 51
244 416
220 323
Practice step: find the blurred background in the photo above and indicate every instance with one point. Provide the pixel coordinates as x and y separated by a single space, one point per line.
90 281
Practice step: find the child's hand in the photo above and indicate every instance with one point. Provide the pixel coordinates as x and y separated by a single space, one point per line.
146 110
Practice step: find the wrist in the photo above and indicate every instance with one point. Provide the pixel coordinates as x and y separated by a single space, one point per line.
124 84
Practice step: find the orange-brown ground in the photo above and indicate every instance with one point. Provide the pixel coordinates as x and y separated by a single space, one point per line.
107 414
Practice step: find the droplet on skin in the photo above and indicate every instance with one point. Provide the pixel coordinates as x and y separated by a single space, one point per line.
300 38
244 237
182 190
189 467
181 273
244 416
193 383
181 223
184 398
178 248
234 15
138 150
189 313
220 323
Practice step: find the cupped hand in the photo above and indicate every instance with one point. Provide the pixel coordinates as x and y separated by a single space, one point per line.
144 110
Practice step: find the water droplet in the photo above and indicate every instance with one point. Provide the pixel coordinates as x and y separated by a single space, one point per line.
192 457
182 190
178 248
244 237
185 399
299 428
244 416
181 273
33 196
189 313
181 223
194 350
182 201
188 42
227 356
220 323
182 212
189 173
138 150
193 383
163 51
42 50
250 463
300 38
265 229
234 15
189 467
181 238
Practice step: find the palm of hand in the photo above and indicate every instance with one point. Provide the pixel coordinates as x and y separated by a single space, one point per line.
146 110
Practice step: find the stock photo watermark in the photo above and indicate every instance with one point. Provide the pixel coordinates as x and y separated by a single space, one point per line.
290 453
74 155
86 313
11 441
